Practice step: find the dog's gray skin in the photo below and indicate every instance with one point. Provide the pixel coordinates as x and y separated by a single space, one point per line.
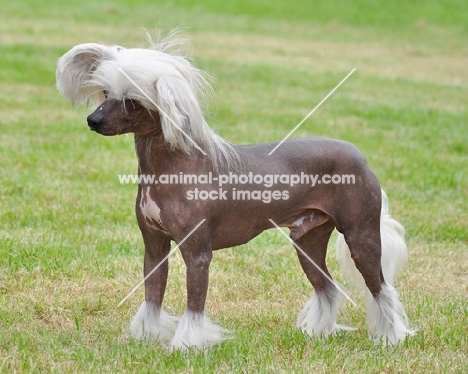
353 209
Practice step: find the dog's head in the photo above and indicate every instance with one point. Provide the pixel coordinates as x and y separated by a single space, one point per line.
138 90
144 91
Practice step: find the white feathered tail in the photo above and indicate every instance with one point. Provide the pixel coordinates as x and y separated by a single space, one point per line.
386 314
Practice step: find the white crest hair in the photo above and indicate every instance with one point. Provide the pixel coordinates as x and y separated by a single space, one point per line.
90 72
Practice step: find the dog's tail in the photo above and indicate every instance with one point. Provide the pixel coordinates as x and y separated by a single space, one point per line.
394 250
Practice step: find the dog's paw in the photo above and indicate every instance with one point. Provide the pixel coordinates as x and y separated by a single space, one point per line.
195 330
152 323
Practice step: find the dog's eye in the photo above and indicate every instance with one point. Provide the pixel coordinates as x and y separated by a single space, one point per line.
106 93
131 102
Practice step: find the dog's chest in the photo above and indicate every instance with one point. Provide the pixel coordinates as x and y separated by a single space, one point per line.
150 210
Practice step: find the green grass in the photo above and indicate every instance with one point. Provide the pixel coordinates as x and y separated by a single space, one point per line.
70 248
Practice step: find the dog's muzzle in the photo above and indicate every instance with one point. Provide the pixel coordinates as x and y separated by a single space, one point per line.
95 120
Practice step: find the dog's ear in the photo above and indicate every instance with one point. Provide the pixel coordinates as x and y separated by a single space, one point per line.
181 113
75 69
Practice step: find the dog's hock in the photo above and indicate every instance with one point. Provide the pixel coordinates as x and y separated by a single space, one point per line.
394 249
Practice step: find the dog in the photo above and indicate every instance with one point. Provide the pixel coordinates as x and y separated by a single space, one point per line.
158 94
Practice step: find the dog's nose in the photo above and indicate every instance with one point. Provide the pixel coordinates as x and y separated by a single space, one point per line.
95 120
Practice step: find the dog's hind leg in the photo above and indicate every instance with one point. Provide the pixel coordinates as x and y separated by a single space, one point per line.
151 321
195 330
318 318
379 243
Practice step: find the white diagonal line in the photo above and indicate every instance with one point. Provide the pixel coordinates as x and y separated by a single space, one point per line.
313 262
312 111
162 261
162 111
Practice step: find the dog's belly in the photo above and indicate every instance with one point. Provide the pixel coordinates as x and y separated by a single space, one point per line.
230 237
240 229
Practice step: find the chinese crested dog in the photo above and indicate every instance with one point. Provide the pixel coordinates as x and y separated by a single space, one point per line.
157 94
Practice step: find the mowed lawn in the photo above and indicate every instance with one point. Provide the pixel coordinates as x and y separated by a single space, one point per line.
70 248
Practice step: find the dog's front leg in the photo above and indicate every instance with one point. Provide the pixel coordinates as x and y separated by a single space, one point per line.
151 321
194 328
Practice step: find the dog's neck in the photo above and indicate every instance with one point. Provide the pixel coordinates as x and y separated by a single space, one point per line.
156 156
148 150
